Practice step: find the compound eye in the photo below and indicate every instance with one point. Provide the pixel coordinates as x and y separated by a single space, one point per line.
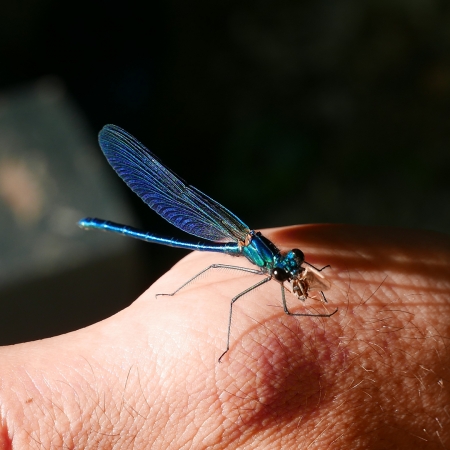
280 275
298 254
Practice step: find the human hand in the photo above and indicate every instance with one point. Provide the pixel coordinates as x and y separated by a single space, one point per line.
374 375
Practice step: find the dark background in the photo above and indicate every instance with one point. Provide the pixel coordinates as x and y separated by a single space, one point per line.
286 112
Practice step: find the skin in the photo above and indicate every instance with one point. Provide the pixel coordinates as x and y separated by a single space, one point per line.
373 376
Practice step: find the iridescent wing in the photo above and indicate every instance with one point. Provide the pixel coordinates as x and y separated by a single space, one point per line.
167 194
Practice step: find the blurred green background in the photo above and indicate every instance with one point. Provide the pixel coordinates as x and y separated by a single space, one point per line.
286 112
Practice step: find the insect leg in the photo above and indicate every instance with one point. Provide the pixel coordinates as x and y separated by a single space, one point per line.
314 267
233 300
214 266
286 310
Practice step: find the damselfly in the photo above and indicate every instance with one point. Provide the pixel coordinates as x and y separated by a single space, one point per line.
195 213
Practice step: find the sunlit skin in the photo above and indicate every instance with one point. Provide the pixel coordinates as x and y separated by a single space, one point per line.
373 376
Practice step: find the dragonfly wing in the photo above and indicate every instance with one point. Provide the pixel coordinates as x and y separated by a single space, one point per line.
166 193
